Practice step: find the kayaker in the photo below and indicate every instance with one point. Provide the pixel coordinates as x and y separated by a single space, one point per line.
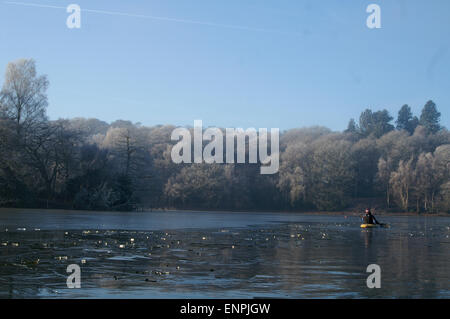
369 218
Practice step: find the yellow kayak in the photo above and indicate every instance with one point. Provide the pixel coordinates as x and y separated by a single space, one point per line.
374 225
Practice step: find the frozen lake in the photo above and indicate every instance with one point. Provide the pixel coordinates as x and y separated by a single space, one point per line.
220 255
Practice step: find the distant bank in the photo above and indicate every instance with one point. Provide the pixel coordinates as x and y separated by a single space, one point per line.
214 211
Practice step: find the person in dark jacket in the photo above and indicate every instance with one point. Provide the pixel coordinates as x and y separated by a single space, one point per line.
369 218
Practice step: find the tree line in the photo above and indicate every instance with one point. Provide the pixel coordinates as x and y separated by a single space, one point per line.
93 165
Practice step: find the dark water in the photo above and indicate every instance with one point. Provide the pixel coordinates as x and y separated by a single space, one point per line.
220 255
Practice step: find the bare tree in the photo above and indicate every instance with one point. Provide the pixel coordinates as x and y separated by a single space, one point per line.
425 183
23 96
383 177
401 182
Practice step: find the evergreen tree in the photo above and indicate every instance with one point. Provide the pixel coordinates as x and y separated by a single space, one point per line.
430 117
405 120
366 122
352 127
376 123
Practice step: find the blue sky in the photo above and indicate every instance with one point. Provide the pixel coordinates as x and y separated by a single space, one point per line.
243 63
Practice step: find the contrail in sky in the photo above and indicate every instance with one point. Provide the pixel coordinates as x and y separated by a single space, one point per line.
141 16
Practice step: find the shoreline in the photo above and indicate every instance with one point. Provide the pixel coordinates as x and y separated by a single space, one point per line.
161 210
